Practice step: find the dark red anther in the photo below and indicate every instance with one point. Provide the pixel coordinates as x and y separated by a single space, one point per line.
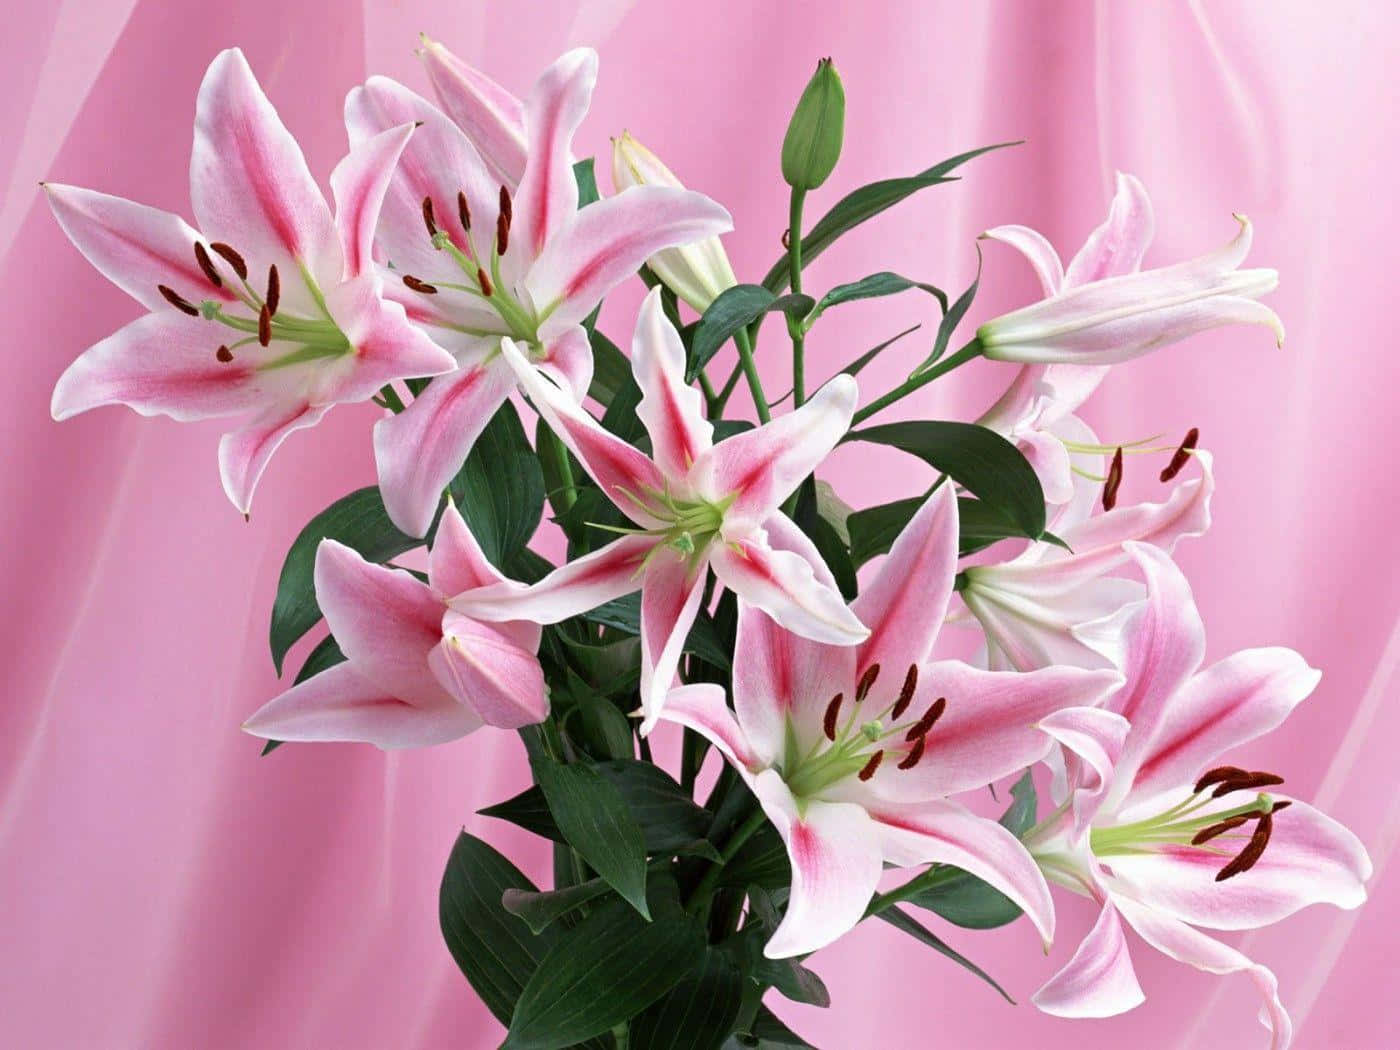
419 286
207 265
1181 455
915 753
506 208
264 325
487 289
464 213
224 354
176 300
786 239
1281 804
1206 834
1248 782
829 719
1253 850
231 257
428 220
868 770
1219 773
906 693
274 289
932 715
502 233
867 681
1115 478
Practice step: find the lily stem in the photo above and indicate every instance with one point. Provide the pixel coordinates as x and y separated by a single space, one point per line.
968 353
746 362
795 324
704 890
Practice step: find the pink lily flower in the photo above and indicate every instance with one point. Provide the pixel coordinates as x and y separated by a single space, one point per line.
492 117
475 262
270 309
1031 607
695 505
853 750
1164 837
1114 314
1037 411
416 672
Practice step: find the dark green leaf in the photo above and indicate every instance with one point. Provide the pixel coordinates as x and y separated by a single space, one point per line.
1019 817
625 614
874 529
768 1033
500 489
727 428
788 976
901 921
612 372
761 861
359 521
606 970
494 949
600 726
539 909
824 537
872 287
697 1014
952 317
733 309
856 366
587 182
552 454
595 820
979 459
670 820
865 203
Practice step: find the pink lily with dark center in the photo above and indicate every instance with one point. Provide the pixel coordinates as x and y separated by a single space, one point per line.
475 260
694 505
853 750
416 672
271 309
1163 836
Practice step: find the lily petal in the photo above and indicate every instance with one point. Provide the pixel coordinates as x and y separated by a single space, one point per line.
784 585
1098 980
905 603
575 587
943 832
568 360
760 468
672 411
487 112
672 585
606 242
420 450
359 183
701 707
1094 740
486 671
249 183
341 704
244 453
1117 246
548 194
457 564
136 247
1184 944
1039 252
835 854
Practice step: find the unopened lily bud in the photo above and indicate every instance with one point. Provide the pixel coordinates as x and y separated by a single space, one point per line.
813 140
697 272
1118 318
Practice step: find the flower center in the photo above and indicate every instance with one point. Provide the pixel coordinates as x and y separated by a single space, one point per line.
316 337
689 525
857 746
1223 833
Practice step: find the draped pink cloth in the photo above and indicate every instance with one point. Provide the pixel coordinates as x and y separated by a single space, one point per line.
163 886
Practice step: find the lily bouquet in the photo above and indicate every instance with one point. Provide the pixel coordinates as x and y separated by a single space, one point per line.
707 578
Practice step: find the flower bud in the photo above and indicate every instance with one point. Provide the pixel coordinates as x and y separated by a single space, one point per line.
813 140
697 272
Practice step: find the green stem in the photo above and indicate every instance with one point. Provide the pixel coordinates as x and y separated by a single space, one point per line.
569 496
795 328
717 409
968 353
932 877
620 1036
705 889
708 389
746 361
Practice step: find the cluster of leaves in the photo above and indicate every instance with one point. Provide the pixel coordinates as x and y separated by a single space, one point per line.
652 936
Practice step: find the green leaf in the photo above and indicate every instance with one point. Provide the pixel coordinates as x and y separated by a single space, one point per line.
788 976
539 909
856 366
595 820
952 317
601 727
587 181
863 204
670 820
500 489
494 949
761 861
768 1033
1019 817
825 538
359 521
733 309
606 970
625 615
612 372
874 530
872 287
697 1014
901 921
979 459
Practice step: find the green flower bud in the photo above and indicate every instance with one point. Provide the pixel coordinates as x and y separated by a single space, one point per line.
813 140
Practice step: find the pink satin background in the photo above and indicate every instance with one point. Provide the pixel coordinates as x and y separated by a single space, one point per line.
162 886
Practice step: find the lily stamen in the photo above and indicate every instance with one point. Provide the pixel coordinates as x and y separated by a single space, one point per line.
419 286
868 770
464 213
1181 455
1115 478
428 219
274 290
906 693
178 301
924 724
207 265
867 682
231 257
829 718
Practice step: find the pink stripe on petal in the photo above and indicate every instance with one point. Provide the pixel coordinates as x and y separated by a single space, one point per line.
359 183
244 453
548 194
672 585
1098 980
672 411
489 674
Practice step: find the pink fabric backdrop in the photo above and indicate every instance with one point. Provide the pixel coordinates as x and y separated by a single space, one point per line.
162 886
